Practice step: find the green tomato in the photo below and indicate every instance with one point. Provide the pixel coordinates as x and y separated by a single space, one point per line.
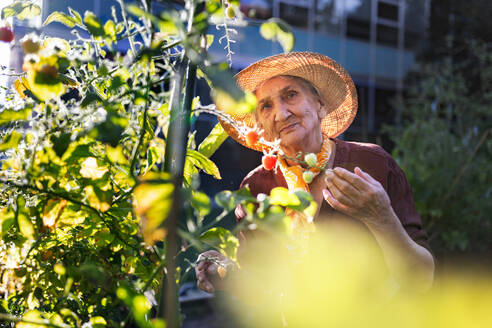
308 176
311 159
230 12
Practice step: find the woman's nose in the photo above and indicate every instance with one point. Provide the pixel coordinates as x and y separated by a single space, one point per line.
282 111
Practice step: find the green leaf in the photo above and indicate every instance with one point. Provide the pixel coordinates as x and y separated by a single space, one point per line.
229 200
44 86
33 316
222 78
153 200
60 143
308 205
281 196
76 15
77 152
22 10
110 30
155 152
110 130
221 239
213 141
202 162
23 219
189 171
9 115
10 141
210 40
224 90
60 17
268 30
93 24
98 199
7 219
200 202
276 29
90 97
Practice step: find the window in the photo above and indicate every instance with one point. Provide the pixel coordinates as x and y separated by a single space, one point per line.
387 35
358 29
294 15
388 11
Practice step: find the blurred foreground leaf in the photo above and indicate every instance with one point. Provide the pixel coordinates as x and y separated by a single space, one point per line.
21 10
276 29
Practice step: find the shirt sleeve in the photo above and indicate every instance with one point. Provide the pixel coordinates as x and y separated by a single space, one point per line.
403 204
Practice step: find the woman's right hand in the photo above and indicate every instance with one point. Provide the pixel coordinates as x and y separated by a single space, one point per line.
210 271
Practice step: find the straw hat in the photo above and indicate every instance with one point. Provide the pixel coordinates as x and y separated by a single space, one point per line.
333 82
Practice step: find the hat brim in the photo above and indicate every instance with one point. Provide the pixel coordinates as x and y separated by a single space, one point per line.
333 82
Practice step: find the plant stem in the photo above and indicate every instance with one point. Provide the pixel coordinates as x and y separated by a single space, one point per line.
125 20
142 131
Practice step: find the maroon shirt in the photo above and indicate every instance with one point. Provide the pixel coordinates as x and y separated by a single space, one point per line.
370 158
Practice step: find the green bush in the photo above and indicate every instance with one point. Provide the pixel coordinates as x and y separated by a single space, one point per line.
445 149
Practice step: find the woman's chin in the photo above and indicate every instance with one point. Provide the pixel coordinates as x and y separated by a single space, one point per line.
292 141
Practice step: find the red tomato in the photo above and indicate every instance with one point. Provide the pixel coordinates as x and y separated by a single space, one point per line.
251 138
6 34
269 162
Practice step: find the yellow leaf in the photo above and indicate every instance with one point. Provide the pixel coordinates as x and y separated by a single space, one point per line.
33 316
100 200
20 86
25 225
153 200
227 103
91 170
52 211
57 44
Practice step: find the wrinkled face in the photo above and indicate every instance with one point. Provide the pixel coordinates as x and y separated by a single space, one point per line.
290 111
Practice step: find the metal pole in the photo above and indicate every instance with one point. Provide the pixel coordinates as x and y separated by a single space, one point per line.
175 156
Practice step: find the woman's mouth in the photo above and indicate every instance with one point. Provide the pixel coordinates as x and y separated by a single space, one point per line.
288 128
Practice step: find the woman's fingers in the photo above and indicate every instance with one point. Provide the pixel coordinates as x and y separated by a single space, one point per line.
203 282
348 191
336 204
206 270
353 179
365 176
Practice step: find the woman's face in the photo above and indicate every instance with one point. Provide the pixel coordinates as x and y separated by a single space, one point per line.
289 111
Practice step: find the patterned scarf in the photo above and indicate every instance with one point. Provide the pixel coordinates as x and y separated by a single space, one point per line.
293 177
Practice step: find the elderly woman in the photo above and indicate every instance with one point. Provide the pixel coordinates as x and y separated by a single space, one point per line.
306 100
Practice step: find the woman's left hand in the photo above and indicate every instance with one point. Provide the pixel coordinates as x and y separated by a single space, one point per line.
358 195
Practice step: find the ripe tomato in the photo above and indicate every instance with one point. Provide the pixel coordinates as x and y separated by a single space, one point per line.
269 162
6 34
251 138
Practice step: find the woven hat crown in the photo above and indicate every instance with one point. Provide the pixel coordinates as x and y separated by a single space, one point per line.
335 86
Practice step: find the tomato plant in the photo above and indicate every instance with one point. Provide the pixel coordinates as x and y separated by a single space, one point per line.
98 165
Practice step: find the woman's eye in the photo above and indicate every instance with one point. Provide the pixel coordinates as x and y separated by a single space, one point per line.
291 94
265 106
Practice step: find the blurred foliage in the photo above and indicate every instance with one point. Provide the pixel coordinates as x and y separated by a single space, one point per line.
351 289
445 147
